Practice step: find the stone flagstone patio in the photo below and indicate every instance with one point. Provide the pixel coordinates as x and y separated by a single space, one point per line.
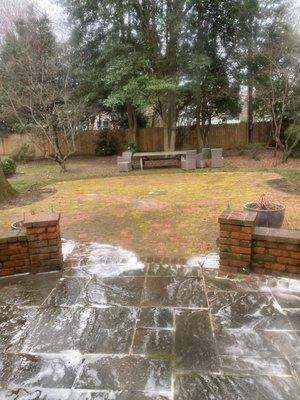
112 328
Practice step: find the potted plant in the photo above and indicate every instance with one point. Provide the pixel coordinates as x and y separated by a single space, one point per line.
269 213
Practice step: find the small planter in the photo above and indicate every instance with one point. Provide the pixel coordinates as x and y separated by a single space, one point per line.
270 218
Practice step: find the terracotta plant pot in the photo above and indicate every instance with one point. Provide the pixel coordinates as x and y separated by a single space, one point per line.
268 218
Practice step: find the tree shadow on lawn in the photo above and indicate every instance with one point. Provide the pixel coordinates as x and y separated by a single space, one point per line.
285 185
28 197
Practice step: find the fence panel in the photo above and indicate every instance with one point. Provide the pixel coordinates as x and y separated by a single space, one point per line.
151 139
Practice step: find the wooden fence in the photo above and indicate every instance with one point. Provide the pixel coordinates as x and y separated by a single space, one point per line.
151 139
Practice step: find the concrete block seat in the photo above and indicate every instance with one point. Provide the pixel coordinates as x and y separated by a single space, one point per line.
217 160
202 158
124 162
189 161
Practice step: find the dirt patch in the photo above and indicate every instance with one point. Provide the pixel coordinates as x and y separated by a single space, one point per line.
264 159
284 185
150 205
31 196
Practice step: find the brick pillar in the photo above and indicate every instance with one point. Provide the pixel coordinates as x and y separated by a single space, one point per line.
235 241
44 242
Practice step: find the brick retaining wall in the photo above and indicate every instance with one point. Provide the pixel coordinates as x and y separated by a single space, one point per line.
38 249
244 247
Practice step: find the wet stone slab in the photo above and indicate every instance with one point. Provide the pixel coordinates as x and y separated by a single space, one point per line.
207 387
287 299
125 291
50 371
109 331
124 373
153 342
89 330
106 261
174 292
76 394
155 318
249 366
216 283
56 329
246 310
179 271
112 328
27 290
195 347
67 292
12 323
294 318
266 344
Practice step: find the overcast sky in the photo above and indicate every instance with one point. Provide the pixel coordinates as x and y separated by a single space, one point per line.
56 14
59 19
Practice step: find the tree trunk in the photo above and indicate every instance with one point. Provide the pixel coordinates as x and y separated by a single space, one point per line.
7 192
132 120
63 167
169 120
250 113
198 130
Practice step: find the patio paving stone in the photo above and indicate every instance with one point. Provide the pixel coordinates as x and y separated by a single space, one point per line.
246 310
195 347
174 292
207 387
112 328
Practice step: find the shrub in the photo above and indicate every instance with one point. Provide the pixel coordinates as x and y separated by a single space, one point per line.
107 143
292 139
132 146
24 154
9 166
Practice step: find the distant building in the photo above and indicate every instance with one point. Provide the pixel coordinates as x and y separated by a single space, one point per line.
101 121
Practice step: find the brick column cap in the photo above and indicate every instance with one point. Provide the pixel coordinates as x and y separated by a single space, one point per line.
12 236
41 219
238 218
277 235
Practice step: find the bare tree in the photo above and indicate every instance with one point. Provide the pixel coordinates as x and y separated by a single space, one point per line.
10 11
277 86
36 88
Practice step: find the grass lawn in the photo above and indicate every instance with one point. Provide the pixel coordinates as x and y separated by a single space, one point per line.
158 212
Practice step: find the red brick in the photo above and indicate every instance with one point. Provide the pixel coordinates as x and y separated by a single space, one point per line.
224 262
259 250
16 250
246 229
235 242
230 228
259 270
241 250
286 246
295 254
275 266
32 231
6 272
22 270
288 261
239 264
278 253
52 229
241 236
229 269
47 236
39 257
292 269
23 256
13 263
224 234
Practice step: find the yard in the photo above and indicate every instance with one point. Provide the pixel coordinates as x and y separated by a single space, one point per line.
158 212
